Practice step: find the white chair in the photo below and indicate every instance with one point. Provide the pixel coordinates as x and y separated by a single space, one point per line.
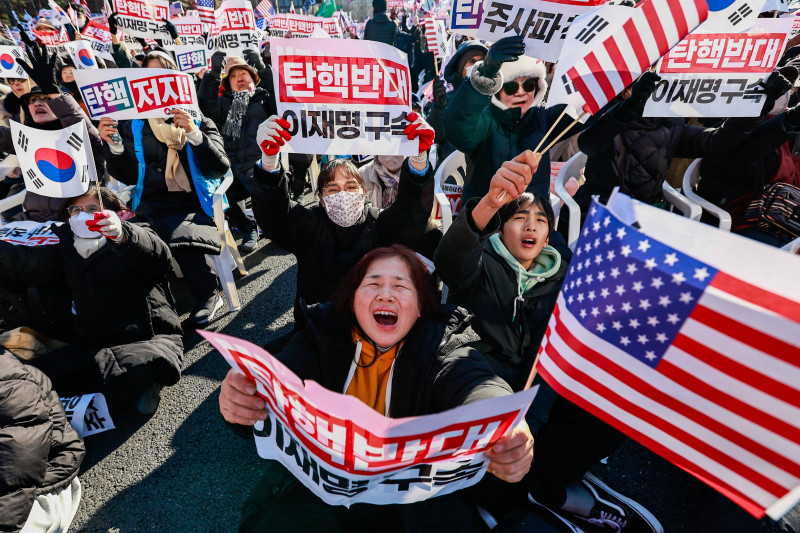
572 168
10 202
676 200
229 257
690 179
455 167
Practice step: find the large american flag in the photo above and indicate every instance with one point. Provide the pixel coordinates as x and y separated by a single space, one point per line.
266 8
205 8
695 363
655 26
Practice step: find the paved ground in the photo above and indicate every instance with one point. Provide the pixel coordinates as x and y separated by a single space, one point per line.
182 470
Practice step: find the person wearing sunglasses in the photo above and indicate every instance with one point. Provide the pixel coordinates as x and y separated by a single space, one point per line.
499 114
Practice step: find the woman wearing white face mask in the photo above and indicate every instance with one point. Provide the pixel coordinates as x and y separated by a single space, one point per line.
328 239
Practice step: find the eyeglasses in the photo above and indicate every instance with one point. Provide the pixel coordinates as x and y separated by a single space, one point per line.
332 188
74 210
529 85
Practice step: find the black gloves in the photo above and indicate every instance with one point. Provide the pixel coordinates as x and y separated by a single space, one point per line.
253 59
776 85
112 23
505 50
217 60
24 36
641 90
42 68
171 29
439 93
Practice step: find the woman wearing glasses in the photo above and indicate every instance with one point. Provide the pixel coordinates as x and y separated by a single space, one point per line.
126 337
499 114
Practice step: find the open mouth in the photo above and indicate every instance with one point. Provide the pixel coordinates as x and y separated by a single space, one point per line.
528 243
386 320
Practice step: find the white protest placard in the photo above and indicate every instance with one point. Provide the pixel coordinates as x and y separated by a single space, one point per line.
143 18
55 163
29 233
191 58
82 54
51 38
9 68
190 30
131 43
128 93
234 29
302 26
99 37
342 96
347 453
718 74
88 414
466 17
543 23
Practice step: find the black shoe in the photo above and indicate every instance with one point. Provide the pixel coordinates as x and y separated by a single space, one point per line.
204 309
147 402
614 512
249 240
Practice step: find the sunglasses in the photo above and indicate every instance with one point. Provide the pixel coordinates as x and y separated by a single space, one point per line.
529 85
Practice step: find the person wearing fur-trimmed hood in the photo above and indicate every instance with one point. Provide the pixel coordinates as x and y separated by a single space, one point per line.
500 113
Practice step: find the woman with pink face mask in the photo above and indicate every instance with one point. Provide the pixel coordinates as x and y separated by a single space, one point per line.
126 350
381 177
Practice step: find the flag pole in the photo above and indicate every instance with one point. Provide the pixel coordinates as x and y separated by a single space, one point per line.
782 506
99 196
532 375
436 65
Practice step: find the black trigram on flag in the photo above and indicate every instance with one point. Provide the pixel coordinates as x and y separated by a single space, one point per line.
15 53
34 178
568 86
75 141
85 174
596 25
22 141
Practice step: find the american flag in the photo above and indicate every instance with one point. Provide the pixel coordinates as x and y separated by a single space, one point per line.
205 8
691 361
266 8
654 27
430 34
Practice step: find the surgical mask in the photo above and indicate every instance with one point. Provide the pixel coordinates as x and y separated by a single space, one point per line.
392 163
79 227
344 208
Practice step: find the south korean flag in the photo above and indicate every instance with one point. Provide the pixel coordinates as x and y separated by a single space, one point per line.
58 163
81 54
9 68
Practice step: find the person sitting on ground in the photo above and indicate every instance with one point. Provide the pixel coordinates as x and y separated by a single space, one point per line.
329 238
176 166
497 263
127 338
422 347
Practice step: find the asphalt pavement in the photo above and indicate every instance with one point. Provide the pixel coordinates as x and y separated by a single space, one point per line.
183 470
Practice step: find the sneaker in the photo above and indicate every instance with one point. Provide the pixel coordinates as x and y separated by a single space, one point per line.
204 309
249 240
614 512
147 402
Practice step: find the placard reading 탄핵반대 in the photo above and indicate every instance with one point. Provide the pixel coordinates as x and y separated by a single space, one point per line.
128 93
234 30
347 453
343 96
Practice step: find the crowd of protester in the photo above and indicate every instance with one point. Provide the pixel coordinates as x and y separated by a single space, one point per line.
361 286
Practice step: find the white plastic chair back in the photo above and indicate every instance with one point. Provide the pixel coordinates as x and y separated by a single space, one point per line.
572 168
448 195
676 200
690 179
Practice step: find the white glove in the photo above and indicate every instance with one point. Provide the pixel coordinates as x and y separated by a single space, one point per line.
271 135
108 224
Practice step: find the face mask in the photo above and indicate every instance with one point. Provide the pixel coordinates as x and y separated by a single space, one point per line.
79 227
344 208
392 163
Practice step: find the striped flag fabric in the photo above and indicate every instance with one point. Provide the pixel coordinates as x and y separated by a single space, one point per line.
687 339
205 8
430 33
266 8
654 27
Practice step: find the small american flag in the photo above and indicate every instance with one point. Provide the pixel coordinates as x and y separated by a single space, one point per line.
694 362
266 8
430 34
205 8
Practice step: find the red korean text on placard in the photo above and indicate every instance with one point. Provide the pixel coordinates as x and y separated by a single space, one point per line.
339 80
232 19
134 8
161 91
725 53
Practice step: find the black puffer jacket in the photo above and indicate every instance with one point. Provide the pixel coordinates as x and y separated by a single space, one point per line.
40 451
636 155
325 251
244 151
133 273
482 281
381 29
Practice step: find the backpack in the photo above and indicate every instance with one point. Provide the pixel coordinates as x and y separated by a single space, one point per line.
776 210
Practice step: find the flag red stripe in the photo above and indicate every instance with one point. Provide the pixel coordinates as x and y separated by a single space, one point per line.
636 44
619 61
654 22
679 17
659 396
587 95
769 300
752 337
744 373
694 469
599 74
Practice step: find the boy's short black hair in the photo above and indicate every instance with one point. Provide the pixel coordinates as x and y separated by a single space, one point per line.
525 199
378 5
